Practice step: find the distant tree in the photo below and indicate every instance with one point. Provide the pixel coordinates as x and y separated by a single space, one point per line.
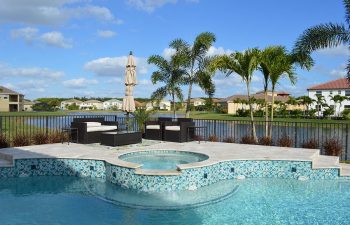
305 101
338 99
320 104
72 107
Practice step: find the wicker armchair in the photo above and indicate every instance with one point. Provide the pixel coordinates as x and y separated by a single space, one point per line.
178 131
154 129
90 129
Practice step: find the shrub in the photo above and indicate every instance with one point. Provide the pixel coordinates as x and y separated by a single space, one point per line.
346 114
20 140
213 138
332 147
265 141
312 143
40 139
198 138
285 141
4 143
229 140
247 140
242 113
57 137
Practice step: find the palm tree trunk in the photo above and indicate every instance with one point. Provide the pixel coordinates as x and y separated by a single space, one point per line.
188 105
174 105
253 131
266 115
272 108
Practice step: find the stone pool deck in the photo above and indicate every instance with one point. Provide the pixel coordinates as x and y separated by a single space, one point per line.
217 152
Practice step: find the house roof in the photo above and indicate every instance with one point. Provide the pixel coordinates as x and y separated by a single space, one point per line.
256 96
72 100
341 83
92 101
197 100
5 90
113 100
28 102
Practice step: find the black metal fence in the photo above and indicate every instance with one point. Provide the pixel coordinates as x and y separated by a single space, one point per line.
298 132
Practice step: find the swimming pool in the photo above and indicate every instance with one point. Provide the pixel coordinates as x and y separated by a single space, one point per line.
162 159
72 200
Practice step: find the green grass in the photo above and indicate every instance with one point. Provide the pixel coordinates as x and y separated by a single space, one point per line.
221 116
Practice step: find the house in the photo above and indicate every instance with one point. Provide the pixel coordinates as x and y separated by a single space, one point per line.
112 104
327 90
10 101
92 104
240 102
66 103
162 105
28 105
197 101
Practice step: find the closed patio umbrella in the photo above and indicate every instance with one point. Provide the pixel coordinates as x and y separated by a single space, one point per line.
130 82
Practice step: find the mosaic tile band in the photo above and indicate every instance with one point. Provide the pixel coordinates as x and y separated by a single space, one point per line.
189 179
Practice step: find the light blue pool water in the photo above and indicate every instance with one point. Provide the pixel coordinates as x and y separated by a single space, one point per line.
76 201
162 160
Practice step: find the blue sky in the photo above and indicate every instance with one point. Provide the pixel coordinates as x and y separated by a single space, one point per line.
66 48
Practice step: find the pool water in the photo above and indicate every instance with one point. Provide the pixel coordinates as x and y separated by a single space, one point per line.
75 201
162 160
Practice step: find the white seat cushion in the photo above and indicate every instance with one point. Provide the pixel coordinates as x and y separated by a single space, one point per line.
172 128
93 124
153 127
101 128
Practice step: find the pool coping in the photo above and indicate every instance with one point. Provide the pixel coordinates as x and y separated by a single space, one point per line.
217 153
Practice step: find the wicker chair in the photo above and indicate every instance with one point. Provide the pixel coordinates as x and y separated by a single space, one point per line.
178 131
154 129
90 129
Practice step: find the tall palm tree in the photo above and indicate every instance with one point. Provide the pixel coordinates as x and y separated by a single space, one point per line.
244 64
196 62
320 102
326 36
338 99
305 101
170 73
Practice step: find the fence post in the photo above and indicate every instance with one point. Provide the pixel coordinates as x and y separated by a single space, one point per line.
346 141
47 125
0 124
214 127
295 134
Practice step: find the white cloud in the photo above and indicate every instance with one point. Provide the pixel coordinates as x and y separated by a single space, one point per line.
149 5
341 50
27 33
79 83
168 52
51 12
106 33
115 66
55 39
218 51
28 86
34 72
338 73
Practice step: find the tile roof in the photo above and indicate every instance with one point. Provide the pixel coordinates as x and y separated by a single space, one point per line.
341 83
4 90
256 96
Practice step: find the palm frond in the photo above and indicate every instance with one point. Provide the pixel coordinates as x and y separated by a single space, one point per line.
347 11
159 61
322 36
159 94
202 44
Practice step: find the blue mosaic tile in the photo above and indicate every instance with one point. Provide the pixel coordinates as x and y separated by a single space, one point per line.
189 178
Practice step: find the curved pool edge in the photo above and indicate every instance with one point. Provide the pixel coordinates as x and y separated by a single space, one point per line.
106 165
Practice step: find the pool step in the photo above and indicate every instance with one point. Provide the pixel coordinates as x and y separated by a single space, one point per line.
5 163
344 169
324 162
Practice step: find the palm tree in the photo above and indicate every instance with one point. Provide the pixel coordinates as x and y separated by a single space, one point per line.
325 36
320 103
338 99
196 62
169 73
305 101
243 64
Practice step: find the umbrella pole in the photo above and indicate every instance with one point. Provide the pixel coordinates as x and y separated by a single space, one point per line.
127 121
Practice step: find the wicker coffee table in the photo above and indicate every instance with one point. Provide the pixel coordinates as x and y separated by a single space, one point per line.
118 138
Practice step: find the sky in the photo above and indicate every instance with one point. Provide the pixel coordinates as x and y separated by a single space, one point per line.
66 48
